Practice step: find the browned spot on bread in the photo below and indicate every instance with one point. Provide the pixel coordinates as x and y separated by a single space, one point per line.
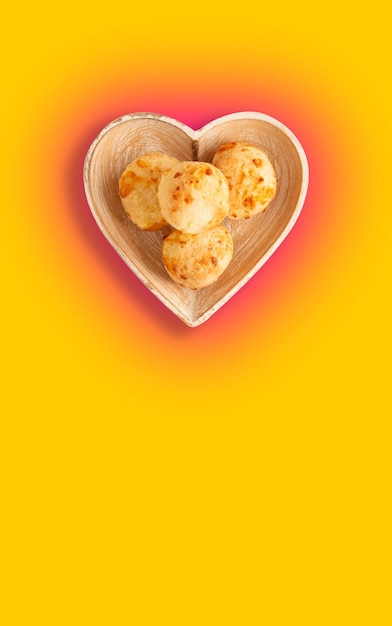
127 183
177 174
227 146
257 162
249 201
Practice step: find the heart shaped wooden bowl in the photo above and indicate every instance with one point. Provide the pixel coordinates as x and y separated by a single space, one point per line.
254 239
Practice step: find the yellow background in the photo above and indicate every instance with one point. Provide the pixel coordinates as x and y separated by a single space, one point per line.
159 475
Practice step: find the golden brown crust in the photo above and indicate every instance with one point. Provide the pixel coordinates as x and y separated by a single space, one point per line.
194 196
138 189
197 260
251 177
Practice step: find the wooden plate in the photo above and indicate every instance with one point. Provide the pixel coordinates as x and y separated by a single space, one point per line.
255 239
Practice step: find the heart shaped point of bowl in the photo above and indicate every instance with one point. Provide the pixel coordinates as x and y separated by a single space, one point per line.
255 239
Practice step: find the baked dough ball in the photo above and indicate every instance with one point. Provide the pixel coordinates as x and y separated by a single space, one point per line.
138 189
194 196
251 177
197 260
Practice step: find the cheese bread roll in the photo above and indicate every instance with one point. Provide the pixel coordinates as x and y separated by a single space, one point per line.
251 177
197 260
194 196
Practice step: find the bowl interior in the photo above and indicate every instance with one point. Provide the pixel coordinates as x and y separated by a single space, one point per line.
254 239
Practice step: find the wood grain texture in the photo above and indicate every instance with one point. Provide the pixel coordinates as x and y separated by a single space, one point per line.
255 239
